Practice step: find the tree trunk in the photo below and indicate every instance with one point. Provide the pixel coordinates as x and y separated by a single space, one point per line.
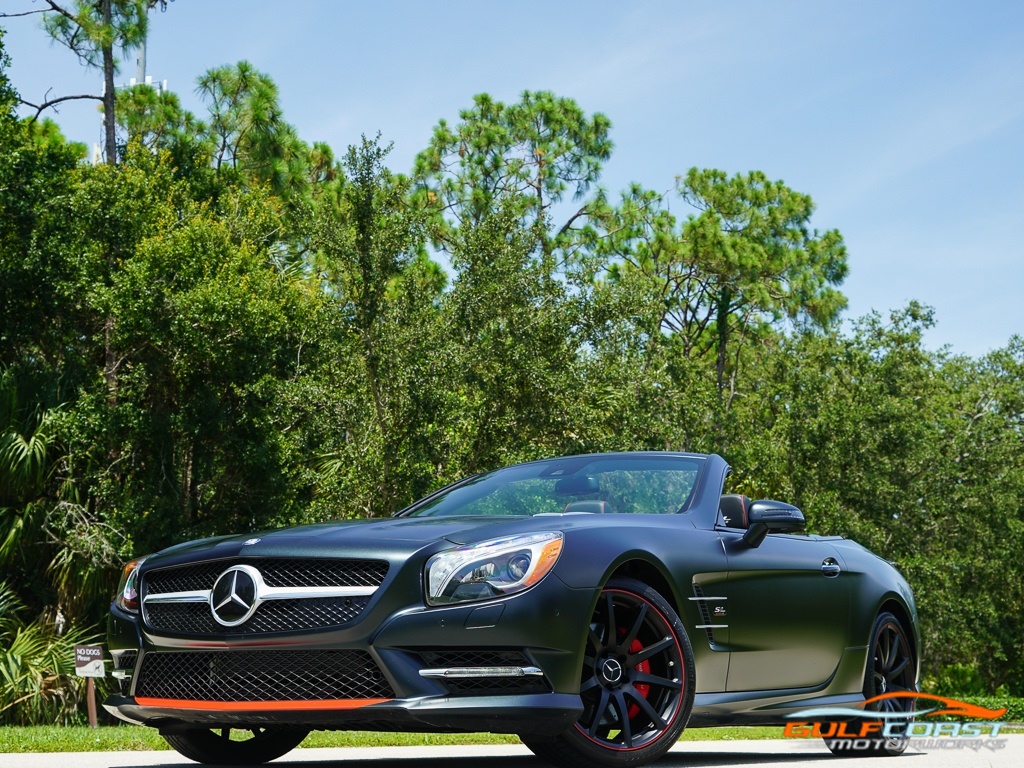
383 502
109 125
722 321
110 363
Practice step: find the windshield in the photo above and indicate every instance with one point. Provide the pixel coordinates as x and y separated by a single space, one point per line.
659 485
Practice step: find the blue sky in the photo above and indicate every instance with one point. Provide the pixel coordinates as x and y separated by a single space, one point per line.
902 120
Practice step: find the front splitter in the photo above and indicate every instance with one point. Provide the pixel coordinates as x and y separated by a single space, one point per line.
546 714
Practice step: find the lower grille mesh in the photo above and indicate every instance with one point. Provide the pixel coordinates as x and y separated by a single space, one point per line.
262 676
496 686
474 658
271 616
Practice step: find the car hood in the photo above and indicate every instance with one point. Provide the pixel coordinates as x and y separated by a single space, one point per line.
388 538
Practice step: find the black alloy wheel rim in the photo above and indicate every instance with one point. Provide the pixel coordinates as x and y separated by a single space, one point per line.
633 671
892 669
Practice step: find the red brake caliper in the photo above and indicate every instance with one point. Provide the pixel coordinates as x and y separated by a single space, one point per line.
645 667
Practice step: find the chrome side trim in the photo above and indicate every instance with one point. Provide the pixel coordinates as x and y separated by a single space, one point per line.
470 672
302 593
265 593
197 596
712 626
697 599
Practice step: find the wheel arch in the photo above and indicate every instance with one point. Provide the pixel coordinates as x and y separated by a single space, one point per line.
891 603
650 574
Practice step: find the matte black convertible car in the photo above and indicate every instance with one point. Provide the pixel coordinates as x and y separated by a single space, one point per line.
594 605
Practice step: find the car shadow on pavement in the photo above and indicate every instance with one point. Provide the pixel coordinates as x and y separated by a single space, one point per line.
672 760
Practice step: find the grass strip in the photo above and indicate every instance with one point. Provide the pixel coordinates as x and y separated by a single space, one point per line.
128 738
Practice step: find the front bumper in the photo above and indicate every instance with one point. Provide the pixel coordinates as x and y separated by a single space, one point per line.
545 626
545 714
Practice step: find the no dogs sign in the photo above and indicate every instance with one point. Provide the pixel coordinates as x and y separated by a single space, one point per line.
89 661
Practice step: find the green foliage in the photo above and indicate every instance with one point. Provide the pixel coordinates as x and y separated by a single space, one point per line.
247 131
381 302
511 337
958 680
84 30
93 31
47 134
742 261
520 158
203 332
753 235
1014 706
27 448
37 667
36 167
157 120
8 96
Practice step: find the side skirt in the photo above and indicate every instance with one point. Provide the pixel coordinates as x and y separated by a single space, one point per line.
844 688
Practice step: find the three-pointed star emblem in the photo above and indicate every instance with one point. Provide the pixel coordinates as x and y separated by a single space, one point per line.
235 595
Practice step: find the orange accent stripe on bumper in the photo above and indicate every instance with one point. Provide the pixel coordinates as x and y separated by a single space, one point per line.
257 706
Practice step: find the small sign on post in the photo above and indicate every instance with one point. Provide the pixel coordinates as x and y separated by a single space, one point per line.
89 664
89 661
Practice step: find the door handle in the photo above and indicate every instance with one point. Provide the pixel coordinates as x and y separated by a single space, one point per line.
830 568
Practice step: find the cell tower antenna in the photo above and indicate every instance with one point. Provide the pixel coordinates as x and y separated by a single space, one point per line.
140 62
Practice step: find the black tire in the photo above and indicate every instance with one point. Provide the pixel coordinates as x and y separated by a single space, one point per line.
891 668
217 747
641 678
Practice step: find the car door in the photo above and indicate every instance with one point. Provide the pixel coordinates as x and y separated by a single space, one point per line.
787 610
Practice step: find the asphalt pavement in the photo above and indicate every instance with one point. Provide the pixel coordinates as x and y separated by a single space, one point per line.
688 754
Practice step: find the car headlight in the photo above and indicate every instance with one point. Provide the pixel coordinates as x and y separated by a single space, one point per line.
127 597
491 568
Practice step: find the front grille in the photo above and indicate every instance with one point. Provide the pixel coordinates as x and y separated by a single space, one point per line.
484 686
262 676
276 572
291 615
271 616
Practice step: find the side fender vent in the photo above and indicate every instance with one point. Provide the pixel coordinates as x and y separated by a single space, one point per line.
708 622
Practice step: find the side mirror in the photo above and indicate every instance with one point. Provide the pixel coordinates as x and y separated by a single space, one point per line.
771 516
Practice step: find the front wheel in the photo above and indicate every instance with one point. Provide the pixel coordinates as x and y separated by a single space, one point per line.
637 683
891 669
236 746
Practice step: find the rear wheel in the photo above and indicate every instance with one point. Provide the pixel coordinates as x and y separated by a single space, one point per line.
236 746
890 669
637 683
